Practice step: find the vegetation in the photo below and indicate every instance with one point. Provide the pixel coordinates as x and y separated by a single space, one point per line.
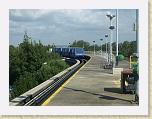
126 48
120 57
31 64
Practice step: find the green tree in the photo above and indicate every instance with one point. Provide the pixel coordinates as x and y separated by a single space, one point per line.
24 83
31 64
128 48
81 43
14 64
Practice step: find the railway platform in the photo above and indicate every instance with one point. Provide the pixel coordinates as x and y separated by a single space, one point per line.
91 85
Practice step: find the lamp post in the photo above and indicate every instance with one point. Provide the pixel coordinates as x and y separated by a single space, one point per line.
117 32
137 30
106 47
110 16
53 45
69 47
101 46
94 46
117 37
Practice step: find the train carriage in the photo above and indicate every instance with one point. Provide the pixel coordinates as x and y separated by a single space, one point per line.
71 52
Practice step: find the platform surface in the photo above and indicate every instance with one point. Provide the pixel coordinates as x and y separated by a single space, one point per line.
91 86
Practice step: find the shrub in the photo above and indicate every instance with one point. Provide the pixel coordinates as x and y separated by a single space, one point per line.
121 57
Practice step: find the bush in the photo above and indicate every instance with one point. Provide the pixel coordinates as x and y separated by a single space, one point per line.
57 66
24 83
121 57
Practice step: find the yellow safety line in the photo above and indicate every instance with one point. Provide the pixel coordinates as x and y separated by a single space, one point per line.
117 83
45 103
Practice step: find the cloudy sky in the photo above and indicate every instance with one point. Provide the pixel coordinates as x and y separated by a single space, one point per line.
65 26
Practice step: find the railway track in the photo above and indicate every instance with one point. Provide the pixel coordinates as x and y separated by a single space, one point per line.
39 94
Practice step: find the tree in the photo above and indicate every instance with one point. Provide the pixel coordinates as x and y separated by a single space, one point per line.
81 43
14 64
24 83
127 48
27 68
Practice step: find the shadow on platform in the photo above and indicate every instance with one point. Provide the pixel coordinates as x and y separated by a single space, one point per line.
100 95
114 90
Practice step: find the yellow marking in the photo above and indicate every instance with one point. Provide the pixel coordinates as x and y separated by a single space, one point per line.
45 103
117 82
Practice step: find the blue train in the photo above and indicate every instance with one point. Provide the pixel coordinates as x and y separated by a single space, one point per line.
71 52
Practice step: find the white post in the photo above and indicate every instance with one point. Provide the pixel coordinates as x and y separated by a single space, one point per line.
111 42
106 45
109 51
117 32
106 50
101 48
111 28
94 47
117 45
106 36
137 28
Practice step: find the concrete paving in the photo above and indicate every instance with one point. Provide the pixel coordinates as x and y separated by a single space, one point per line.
92 86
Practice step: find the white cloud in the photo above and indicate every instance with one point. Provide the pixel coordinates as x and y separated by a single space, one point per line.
64 24
85 16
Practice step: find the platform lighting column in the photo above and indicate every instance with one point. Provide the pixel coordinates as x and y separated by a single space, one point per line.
94 46
101 46
137 16
53 45
117 37
111 45
117 32
110 16
106 47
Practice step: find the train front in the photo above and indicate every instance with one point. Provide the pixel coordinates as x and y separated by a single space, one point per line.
79 53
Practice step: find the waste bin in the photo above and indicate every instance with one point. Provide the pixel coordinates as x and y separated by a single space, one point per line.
124 76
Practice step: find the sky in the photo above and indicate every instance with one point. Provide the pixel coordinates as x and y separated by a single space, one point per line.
64 26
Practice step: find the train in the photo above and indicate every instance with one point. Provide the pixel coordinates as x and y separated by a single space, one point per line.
70 52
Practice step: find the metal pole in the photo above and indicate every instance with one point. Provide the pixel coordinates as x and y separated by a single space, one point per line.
108 52
106 48
117 38
111 41
137 14
106 37
94 47
117 32
101 48
111 28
